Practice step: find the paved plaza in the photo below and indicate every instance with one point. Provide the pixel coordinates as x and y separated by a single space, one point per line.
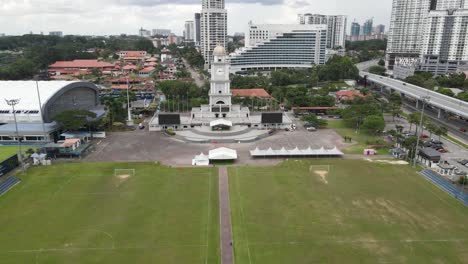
155 146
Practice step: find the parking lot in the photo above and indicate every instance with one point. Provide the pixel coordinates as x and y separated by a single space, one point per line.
455 152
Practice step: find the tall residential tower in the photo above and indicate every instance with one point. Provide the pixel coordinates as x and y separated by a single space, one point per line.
213 28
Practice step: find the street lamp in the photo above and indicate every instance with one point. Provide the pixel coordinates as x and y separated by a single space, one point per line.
425 100
12 103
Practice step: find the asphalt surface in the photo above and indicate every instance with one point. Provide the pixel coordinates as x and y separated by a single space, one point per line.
227 256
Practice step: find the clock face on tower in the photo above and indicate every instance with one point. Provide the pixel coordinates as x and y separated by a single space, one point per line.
220 72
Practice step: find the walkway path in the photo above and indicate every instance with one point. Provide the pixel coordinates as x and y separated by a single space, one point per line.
225 218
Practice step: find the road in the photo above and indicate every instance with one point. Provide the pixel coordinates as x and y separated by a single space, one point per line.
440 101
197 77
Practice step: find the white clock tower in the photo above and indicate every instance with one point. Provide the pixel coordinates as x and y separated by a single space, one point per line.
220 92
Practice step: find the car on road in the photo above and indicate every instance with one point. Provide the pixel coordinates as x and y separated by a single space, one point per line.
311 129
443 151
463 130
463 162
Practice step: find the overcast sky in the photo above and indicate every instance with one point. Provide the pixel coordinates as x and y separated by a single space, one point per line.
110 17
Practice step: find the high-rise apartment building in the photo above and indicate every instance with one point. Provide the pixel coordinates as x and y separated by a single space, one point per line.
405 33
430 35
189 31
197 28
355 29
161 32
367 27
379 29
336 34
313 19
144 33
213 28
56 33
444 45
282 46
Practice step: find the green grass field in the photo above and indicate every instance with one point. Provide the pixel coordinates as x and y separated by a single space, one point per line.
82 213
359 212
360 139
7 151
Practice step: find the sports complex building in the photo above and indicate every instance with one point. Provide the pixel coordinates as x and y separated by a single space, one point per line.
38 103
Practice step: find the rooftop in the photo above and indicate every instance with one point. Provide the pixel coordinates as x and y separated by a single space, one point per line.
261 93
81 64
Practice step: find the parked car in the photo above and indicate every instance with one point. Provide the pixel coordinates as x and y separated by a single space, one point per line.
311 129
463 162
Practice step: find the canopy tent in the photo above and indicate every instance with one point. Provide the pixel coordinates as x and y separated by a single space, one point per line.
221 123
296 152
201 160
222 154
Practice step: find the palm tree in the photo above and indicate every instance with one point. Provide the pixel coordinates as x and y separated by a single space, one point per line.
431 127
413 119
441 131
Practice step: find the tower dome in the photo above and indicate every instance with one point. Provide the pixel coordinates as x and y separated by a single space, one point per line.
219 51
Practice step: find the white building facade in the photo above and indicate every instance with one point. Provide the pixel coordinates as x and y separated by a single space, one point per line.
281 46
213 28
404 36
189 31
336 25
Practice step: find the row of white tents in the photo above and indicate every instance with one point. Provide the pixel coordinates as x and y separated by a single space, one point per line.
308 152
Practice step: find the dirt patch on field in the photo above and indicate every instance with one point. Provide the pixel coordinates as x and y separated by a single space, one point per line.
392 162
322 175
123 177
120 179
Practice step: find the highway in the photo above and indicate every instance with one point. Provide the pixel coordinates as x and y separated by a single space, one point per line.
440 101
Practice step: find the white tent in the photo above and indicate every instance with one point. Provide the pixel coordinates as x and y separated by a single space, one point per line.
223 154
308 152
201 160
221 122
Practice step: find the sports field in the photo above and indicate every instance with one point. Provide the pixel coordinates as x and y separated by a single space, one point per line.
83 213
8 151
353 212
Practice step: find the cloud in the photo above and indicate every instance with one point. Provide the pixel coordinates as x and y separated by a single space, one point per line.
109 17
194 2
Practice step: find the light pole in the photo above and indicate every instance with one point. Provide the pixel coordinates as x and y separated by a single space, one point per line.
12 103
425 100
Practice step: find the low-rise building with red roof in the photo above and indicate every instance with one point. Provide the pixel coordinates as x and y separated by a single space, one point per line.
79 67
147 71
347 95
251 93
135 56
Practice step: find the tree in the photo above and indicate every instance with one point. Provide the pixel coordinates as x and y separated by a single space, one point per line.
441 131
463 96
382 62
446 91
73 120
379 70
374 123
431 127
313 119
413 119
395 105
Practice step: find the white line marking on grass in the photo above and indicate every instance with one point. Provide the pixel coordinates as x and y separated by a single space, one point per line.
208 219
408 241
242 215
41 250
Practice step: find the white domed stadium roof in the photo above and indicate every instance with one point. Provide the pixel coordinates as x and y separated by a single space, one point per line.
219 51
